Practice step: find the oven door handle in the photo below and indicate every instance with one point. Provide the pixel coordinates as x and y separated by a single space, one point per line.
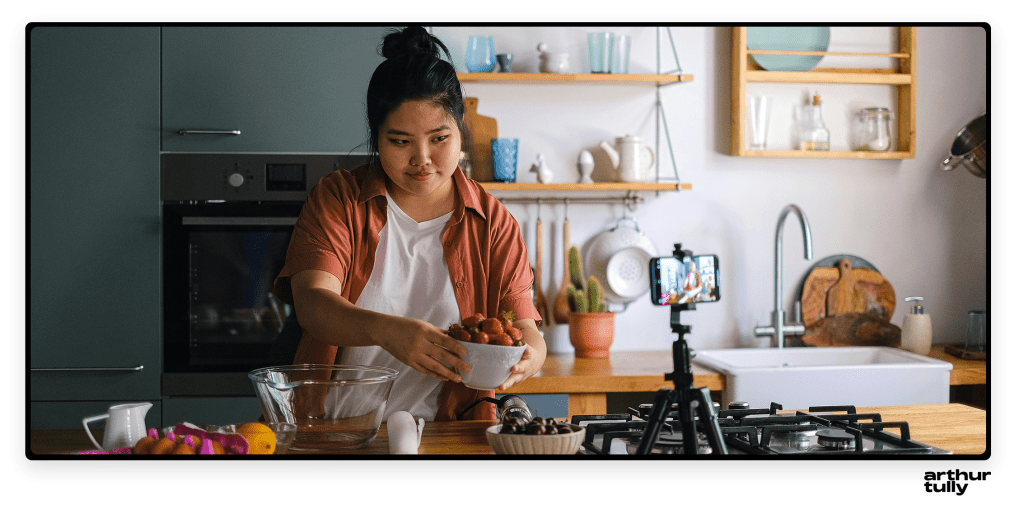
238 221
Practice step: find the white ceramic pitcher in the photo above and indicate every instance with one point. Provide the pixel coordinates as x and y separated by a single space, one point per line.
633 158
126 424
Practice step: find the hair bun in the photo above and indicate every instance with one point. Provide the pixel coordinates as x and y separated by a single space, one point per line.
411 41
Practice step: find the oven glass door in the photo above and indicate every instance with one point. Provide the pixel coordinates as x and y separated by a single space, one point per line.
220 264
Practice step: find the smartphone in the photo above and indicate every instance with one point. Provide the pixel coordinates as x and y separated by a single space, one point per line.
690 280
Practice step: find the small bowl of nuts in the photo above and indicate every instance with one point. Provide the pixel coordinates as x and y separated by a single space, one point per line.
540 436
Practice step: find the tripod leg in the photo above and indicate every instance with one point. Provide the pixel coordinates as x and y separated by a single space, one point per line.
711 429
655 420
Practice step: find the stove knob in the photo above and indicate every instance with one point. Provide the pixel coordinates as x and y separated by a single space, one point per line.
739 405
236 180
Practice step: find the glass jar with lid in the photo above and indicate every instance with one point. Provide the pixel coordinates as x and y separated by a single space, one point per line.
871 130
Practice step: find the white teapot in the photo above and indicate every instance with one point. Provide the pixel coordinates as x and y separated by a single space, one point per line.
633 158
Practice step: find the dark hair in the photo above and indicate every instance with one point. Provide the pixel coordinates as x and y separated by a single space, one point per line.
412 70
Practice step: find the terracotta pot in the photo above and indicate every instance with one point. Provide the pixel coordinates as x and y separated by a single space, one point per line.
592 333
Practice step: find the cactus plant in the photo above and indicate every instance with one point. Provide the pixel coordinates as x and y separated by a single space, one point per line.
586 295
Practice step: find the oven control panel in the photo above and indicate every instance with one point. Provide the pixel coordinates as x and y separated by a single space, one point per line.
247 177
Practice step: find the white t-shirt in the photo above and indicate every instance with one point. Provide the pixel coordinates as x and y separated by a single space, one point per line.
409 279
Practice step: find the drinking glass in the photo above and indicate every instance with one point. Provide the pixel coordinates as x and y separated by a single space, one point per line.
506 156
620 55
480 54
600 44
758 110
977 329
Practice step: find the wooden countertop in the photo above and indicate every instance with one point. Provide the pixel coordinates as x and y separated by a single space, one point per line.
953 427
964 371
622 371
641 371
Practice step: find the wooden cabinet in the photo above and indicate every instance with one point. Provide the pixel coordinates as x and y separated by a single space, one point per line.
902 76
283 89
94 212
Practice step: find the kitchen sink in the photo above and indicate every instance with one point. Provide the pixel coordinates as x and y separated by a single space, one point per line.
801 377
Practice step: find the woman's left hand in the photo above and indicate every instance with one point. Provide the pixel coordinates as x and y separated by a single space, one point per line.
533 357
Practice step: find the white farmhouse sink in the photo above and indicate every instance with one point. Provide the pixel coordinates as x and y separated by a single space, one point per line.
801 377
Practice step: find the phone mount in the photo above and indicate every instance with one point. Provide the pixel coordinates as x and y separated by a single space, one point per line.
690 402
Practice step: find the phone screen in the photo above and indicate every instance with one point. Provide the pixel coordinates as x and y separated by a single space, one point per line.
691 280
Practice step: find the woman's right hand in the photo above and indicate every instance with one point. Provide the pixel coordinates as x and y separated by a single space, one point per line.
422 346
327 316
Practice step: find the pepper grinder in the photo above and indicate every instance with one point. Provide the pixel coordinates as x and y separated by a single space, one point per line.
916 335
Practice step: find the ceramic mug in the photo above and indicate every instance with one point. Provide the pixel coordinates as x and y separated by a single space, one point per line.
506 155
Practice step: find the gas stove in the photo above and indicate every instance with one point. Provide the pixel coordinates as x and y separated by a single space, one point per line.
828 431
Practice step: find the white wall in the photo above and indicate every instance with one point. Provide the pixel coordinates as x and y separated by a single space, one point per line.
924 229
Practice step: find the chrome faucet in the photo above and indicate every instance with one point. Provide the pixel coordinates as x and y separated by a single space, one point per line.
778 328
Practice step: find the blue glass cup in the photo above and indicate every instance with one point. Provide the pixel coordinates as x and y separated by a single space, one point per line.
506 155
480 54
600 44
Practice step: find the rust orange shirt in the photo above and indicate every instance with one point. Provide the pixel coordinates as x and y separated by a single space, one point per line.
338 231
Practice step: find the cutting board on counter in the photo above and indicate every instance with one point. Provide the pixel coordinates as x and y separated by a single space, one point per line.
848 304
481 131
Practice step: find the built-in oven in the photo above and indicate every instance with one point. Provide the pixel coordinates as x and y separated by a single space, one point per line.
227 221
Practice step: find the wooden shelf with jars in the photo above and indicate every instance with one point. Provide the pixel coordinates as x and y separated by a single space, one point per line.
903 77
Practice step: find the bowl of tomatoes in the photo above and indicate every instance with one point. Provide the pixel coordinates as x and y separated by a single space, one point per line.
492 345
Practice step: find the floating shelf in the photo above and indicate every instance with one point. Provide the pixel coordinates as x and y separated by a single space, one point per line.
597 186
826 154
573 78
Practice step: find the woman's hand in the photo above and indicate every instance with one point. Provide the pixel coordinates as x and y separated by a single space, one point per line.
332 319
533 357
422 346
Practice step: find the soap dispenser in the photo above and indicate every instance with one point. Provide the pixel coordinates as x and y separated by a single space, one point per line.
916 336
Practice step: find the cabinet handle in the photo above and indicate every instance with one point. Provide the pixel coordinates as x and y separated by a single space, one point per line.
205 132
89 369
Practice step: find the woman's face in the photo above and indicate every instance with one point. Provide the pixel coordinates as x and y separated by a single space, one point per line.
419 148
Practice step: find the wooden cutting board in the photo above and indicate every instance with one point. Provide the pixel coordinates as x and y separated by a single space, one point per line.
481 131
845 305
831 291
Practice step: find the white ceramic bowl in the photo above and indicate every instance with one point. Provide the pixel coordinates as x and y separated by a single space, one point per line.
526 444
492 364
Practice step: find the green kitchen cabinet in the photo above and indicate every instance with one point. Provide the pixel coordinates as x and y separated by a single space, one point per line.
94 217
283 89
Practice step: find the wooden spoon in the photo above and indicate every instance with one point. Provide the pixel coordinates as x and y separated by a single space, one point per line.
539 301
561 308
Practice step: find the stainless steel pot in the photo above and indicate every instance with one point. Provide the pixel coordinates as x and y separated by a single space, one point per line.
970 148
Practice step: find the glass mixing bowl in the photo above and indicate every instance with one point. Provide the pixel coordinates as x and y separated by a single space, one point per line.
333 407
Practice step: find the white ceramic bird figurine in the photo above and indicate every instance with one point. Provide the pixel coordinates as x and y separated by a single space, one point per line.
544 174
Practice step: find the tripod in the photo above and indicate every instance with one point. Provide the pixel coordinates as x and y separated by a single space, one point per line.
688 400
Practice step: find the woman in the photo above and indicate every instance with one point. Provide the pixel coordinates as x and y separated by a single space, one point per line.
385 257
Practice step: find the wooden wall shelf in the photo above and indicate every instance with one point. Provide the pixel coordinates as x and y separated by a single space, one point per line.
574 78
903 77
597 186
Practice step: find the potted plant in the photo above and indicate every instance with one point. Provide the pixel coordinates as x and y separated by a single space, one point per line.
591 328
